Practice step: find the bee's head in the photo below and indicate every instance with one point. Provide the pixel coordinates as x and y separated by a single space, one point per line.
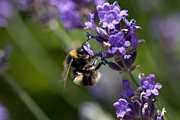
81 52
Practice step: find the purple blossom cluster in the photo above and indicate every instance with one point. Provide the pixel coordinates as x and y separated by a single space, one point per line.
139 104
161 24
39 10
72 12
121 43
6 11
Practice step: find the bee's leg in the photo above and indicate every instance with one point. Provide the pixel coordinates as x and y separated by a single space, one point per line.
83 56
99 65
94 62
90 66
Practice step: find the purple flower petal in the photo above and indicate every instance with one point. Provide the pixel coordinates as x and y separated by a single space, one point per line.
116 40
136 27
126 44
135 41
99 8
90 23
106 6
116 9
122 50
122 14
87 48
116 104
114 49
116 4
141 40
101 15
102 33
110 15
157 86
114 66
155 92
149 85
148 92
122 104
151 78
120 114
123 93
127 89
144 83
125 21
106 55
125 84
88 45
112 40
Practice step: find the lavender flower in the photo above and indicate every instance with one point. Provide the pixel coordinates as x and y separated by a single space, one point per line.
122 43
149 85
165 29
129 59
90 23
4 113
127 89
71 12
110 15
160 116
141 104
87 48
118 44
39 10
6 11
122 104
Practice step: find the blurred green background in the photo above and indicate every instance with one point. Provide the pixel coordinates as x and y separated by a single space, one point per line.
30 89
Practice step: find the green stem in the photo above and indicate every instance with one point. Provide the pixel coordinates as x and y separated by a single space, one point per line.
26 98
130 74
133 79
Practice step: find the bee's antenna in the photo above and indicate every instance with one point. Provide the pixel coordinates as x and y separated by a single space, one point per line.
85 41
89 35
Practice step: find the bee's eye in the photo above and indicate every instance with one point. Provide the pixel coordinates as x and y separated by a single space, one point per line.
81 50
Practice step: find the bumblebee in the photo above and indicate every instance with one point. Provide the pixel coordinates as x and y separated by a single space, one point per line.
84 74
88 76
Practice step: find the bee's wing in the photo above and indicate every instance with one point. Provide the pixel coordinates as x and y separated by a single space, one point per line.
64 74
